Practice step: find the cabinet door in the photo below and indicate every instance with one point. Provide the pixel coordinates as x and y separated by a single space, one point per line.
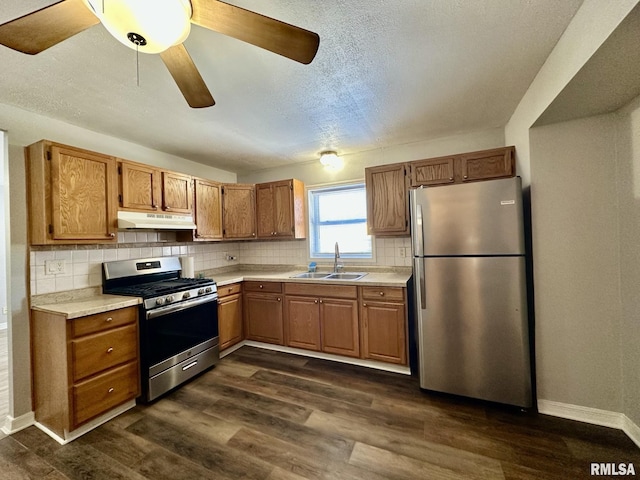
238 211
383 332
139 186
265 211
83 195
263 318
283 209
230 320
176 192
387 205
488 164
208 210
302 320
435 171
339 326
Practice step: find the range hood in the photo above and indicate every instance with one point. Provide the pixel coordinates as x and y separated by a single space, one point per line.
154 221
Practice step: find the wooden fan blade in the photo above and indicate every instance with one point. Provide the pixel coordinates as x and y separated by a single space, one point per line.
39 30
264 32
187 76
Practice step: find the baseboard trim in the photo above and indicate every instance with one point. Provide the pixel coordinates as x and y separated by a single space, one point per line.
387 367
594 416
70 436
15 424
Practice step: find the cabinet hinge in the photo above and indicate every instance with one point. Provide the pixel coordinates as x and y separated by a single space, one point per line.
120 198
48 155
50 228
119 170
224 232
291 186
222 190
406 223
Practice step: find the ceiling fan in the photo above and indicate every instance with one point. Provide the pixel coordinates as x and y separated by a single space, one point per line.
159 26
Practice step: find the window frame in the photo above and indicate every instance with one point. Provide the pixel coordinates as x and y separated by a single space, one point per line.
313 237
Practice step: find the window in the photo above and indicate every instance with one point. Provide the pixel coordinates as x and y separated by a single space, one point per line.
339 214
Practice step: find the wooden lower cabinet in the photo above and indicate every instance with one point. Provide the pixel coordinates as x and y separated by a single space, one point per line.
383 323
327 323
230 315
263 318
83 367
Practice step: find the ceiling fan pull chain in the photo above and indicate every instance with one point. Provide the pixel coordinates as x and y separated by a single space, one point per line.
137 64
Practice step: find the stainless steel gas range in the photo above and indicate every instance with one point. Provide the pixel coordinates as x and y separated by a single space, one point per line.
178 320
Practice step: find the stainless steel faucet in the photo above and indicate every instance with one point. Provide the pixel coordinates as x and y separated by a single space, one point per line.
336 266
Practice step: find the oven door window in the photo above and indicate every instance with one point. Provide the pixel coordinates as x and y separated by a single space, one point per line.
173 333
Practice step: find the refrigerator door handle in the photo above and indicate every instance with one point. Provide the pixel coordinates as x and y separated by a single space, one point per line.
422 292
418 233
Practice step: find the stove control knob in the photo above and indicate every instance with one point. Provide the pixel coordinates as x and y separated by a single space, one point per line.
201 291
208 289
160 301
186 295
169 299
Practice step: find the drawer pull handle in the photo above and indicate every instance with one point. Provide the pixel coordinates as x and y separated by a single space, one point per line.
109 319
111 390
192 364
110 349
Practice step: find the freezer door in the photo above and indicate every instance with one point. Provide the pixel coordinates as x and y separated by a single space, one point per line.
473 337
478 218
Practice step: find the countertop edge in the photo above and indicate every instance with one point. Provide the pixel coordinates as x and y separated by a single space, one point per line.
89 306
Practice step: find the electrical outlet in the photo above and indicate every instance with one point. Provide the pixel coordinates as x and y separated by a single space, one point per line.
229 257
402 252
5 310
53 267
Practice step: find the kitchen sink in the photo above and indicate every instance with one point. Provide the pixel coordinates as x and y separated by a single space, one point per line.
345 276
310 275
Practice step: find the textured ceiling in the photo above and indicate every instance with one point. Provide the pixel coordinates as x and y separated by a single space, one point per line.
386 73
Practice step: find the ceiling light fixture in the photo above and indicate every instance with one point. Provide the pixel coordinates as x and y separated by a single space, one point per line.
331 160
149 26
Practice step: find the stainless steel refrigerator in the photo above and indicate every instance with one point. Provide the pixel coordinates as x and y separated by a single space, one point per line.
471 295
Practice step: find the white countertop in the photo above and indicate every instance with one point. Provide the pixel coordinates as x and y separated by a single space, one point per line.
379 279
89 306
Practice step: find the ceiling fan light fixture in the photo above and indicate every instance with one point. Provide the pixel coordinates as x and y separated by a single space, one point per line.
149 26
331 160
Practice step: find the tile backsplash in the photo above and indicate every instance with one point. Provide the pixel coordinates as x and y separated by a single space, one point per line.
83 265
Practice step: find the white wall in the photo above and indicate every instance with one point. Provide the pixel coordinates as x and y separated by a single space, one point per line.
628 151
590 27
576 263
314 173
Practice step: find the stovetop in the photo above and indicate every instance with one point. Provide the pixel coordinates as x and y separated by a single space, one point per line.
163 287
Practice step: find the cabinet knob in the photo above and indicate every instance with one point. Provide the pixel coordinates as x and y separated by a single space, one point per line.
315 301
111 390
278 298
451 179
110 349
112 235
167 207
382 294
230 289
109 319
466 176
261 286
364 304
253 234
320 301
154 206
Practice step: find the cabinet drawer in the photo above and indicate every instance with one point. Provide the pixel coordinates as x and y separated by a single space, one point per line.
321 290
104 392
271 287
229 290
393 294
92 354
103 321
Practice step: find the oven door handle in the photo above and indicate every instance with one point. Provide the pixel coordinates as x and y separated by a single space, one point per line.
158 312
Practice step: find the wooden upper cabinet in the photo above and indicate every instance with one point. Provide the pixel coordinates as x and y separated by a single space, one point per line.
176 192
488 164
140 186
387 202
435 171
72 195
465 167
280 209
208 209
238 211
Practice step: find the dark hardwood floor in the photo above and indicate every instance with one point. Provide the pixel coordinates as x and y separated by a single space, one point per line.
266 415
